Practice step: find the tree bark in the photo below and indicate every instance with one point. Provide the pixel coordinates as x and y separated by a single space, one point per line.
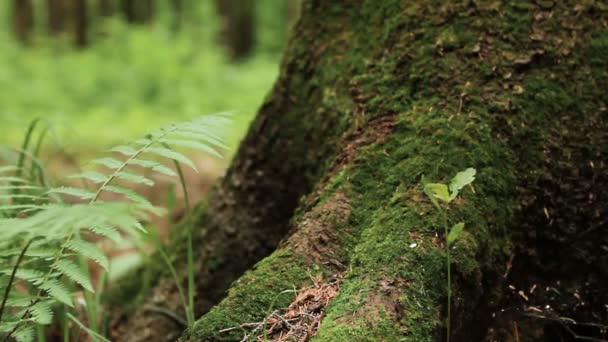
23 19
106 8
138 11
56 16
237 26
81 23
178 12
371 97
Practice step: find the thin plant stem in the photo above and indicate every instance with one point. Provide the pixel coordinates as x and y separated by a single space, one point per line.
190 257
12 278
449 267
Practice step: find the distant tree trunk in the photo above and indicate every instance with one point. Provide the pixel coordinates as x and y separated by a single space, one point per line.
106 8
56 16
178 9
237 26
23 19
81 22
138 11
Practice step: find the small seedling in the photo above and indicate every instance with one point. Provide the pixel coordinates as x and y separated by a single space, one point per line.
446 194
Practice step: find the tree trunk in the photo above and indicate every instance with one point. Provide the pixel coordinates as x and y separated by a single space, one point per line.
371 97
56 16
138 11
178 12
106 8
23 19
81 22
237 26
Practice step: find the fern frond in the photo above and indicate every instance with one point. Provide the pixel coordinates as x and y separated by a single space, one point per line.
89 251
172 154
192 144
106 231
110 163
25 333
74 273
32 276
55 289
74 192
41 312
154 166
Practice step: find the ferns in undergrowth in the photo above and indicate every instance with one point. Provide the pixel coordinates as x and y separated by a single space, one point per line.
44 229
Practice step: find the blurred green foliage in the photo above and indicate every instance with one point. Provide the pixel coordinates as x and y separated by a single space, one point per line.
134 78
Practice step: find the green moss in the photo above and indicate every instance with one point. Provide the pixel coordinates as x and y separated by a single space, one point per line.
254 296
456 109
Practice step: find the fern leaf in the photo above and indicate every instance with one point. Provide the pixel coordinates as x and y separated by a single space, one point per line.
20 187
154 166
125 149
192 144
12 179
171 154
41 312
56 290
110 163
25 333
134 178
88 250
130 194
33 276
95 336
107 231
75 192
8 168
93 176
73 272
201 136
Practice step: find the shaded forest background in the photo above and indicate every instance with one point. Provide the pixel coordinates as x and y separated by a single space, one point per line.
134 65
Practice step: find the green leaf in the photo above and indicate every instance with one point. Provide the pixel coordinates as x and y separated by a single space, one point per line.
455 232
42 313
125 149
93 176
462 179
134 178
154 166
74 272
58 291
171 154
110 163
88 250
25 333
95 336
192 144
76 192
130 194
437 190
107 231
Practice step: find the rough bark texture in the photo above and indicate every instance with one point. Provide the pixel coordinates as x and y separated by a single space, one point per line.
373 95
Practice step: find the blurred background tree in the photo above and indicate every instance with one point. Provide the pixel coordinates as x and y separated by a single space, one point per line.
132 65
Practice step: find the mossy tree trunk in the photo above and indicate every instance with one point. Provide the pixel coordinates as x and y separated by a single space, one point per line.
326 185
